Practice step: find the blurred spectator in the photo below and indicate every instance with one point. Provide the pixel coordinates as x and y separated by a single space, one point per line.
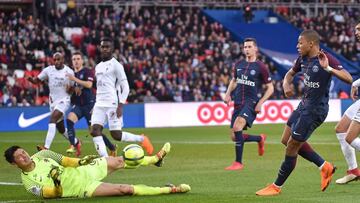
149 98
169 54
248 15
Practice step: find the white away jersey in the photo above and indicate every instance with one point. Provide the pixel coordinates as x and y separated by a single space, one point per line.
57 82
109 75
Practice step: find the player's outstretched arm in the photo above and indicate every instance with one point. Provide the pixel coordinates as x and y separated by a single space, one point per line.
33 80
342 74
86 84
66 161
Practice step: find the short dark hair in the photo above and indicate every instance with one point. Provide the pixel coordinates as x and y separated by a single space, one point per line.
106 39
250 39
311 35
9 153
77 53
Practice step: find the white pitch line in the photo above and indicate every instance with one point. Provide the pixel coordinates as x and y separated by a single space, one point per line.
172 142
160 142
9 183
37 200
25 200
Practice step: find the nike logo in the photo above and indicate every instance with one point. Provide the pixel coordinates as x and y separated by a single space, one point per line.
246 115
296 133
26 122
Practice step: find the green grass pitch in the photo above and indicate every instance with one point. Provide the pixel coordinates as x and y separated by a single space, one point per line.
198 158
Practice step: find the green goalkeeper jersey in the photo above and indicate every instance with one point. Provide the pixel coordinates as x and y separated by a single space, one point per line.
36 179
79 181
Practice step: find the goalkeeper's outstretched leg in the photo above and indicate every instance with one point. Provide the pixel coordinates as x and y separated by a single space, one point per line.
116 163
109 189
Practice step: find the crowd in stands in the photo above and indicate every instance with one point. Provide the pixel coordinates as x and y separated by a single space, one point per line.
169 54
336 29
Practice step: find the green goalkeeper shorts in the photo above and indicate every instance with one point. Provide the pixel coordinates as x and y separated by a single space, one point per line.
82 181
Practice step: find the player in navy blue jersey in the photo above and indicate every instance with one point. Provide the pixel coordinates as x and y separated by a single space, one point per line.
317 68
83 101
249 76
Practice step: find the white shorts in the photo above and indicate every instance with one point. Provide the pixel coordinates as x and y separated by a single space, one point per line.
351 111
61 105
101 115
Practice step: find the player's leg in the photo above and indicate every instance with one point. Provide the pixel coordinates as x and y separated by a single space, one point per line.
60 126
75 143
260 139
302 127
87 112
98 119
111 147
306 151
353 132
237 125
157 159
108 189
287 166
115 127
62 106
55 116
302 130
116 163
130 137
348 151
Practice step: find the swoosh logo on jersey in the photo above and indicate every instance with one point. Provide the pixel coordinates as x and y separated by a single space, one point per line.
295 133
26 122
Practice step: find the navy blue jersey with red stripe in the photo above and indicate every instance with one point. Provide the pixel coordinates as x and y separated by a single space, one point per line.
317 82
87 96
249 76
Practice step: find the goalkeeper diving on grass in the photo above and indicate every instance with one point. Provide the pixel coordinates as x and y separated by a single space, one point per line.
51 175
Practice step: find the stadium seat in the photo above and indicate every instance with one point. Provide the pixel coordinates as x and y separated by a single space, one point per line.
91 50
76 40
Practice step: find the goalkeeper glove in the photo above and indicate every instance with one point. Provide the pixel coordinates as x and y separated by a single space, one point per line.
87 159
54 174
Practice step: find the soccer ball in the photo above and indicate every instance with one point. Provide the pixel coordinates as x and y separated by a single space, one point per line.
133 155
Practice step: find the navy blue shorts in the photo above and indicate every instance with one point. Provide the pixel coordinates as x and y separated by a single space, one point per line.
83 111
247 112
303 123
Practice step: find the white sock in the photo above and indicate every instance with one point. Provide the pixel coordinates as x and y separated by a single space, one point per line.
50 135
100 146
356 143
129 137
322 165
348 151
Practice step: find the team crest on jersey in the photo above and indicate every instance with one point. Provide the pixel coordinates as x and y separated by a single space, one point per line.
315 69
252 72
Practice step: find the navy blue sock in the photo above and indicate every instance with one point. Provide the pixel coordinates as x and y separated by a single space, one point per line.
108 144
251 138
239 146
71 131
285 170
309 154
